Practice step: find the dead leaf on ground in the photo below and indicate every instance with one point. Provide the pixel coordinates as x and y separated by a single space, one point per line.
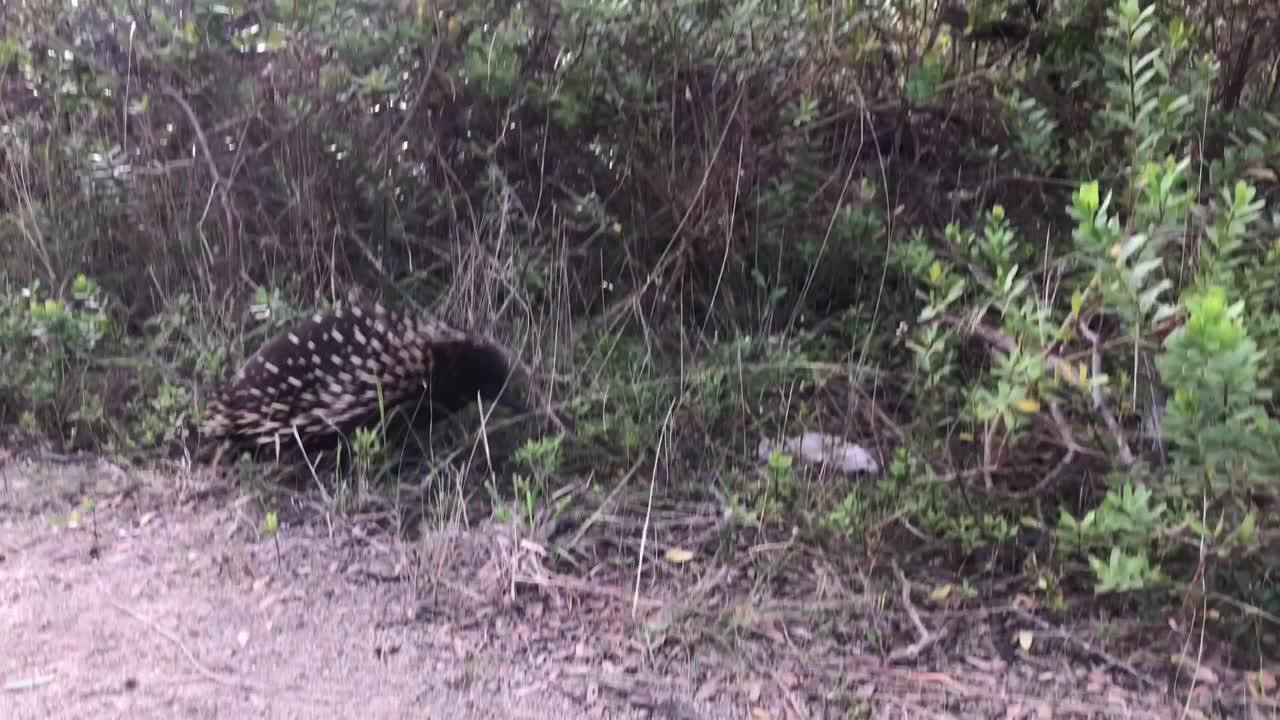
678 556
942 592
1025 638
1200 673
1262 684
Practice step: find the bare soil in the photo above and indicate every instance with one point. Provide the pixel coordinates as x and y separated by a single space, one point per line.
166 599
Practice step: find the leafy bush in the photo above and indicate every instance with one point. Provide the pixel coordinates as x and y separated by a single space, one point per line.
48 349
1112 324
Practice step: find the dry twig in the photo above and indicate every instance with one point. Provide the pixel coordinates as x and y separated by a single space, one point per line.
925 638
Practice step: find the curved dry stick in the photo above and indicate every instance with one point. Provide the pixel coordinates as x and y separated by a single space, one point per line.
1100 403
220 183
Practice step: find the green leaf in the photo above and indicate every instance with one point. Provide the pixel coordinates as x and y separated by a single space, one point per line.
1088 195
1144 268
925 79
1130 245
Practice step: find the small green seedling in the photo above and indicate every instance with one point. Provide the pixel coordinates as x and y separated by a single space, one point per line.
271 528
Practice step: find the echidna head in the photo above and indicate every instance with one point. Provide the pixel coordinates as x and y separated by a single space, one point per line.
478 367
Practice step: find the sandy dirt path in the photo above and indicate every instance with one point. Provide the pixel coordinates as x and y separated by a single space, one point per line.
184 610
168 601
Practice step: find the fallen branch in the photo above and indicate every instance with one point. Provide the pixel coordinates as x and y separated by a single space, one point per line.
1085 646
1064 369
925 638
1100 403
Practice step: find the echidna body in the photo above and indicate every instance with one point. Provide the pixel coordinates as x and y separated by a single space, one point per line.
331 374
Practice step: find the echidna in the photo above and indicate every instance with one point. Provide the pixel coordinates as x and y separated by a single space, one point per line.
331 374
